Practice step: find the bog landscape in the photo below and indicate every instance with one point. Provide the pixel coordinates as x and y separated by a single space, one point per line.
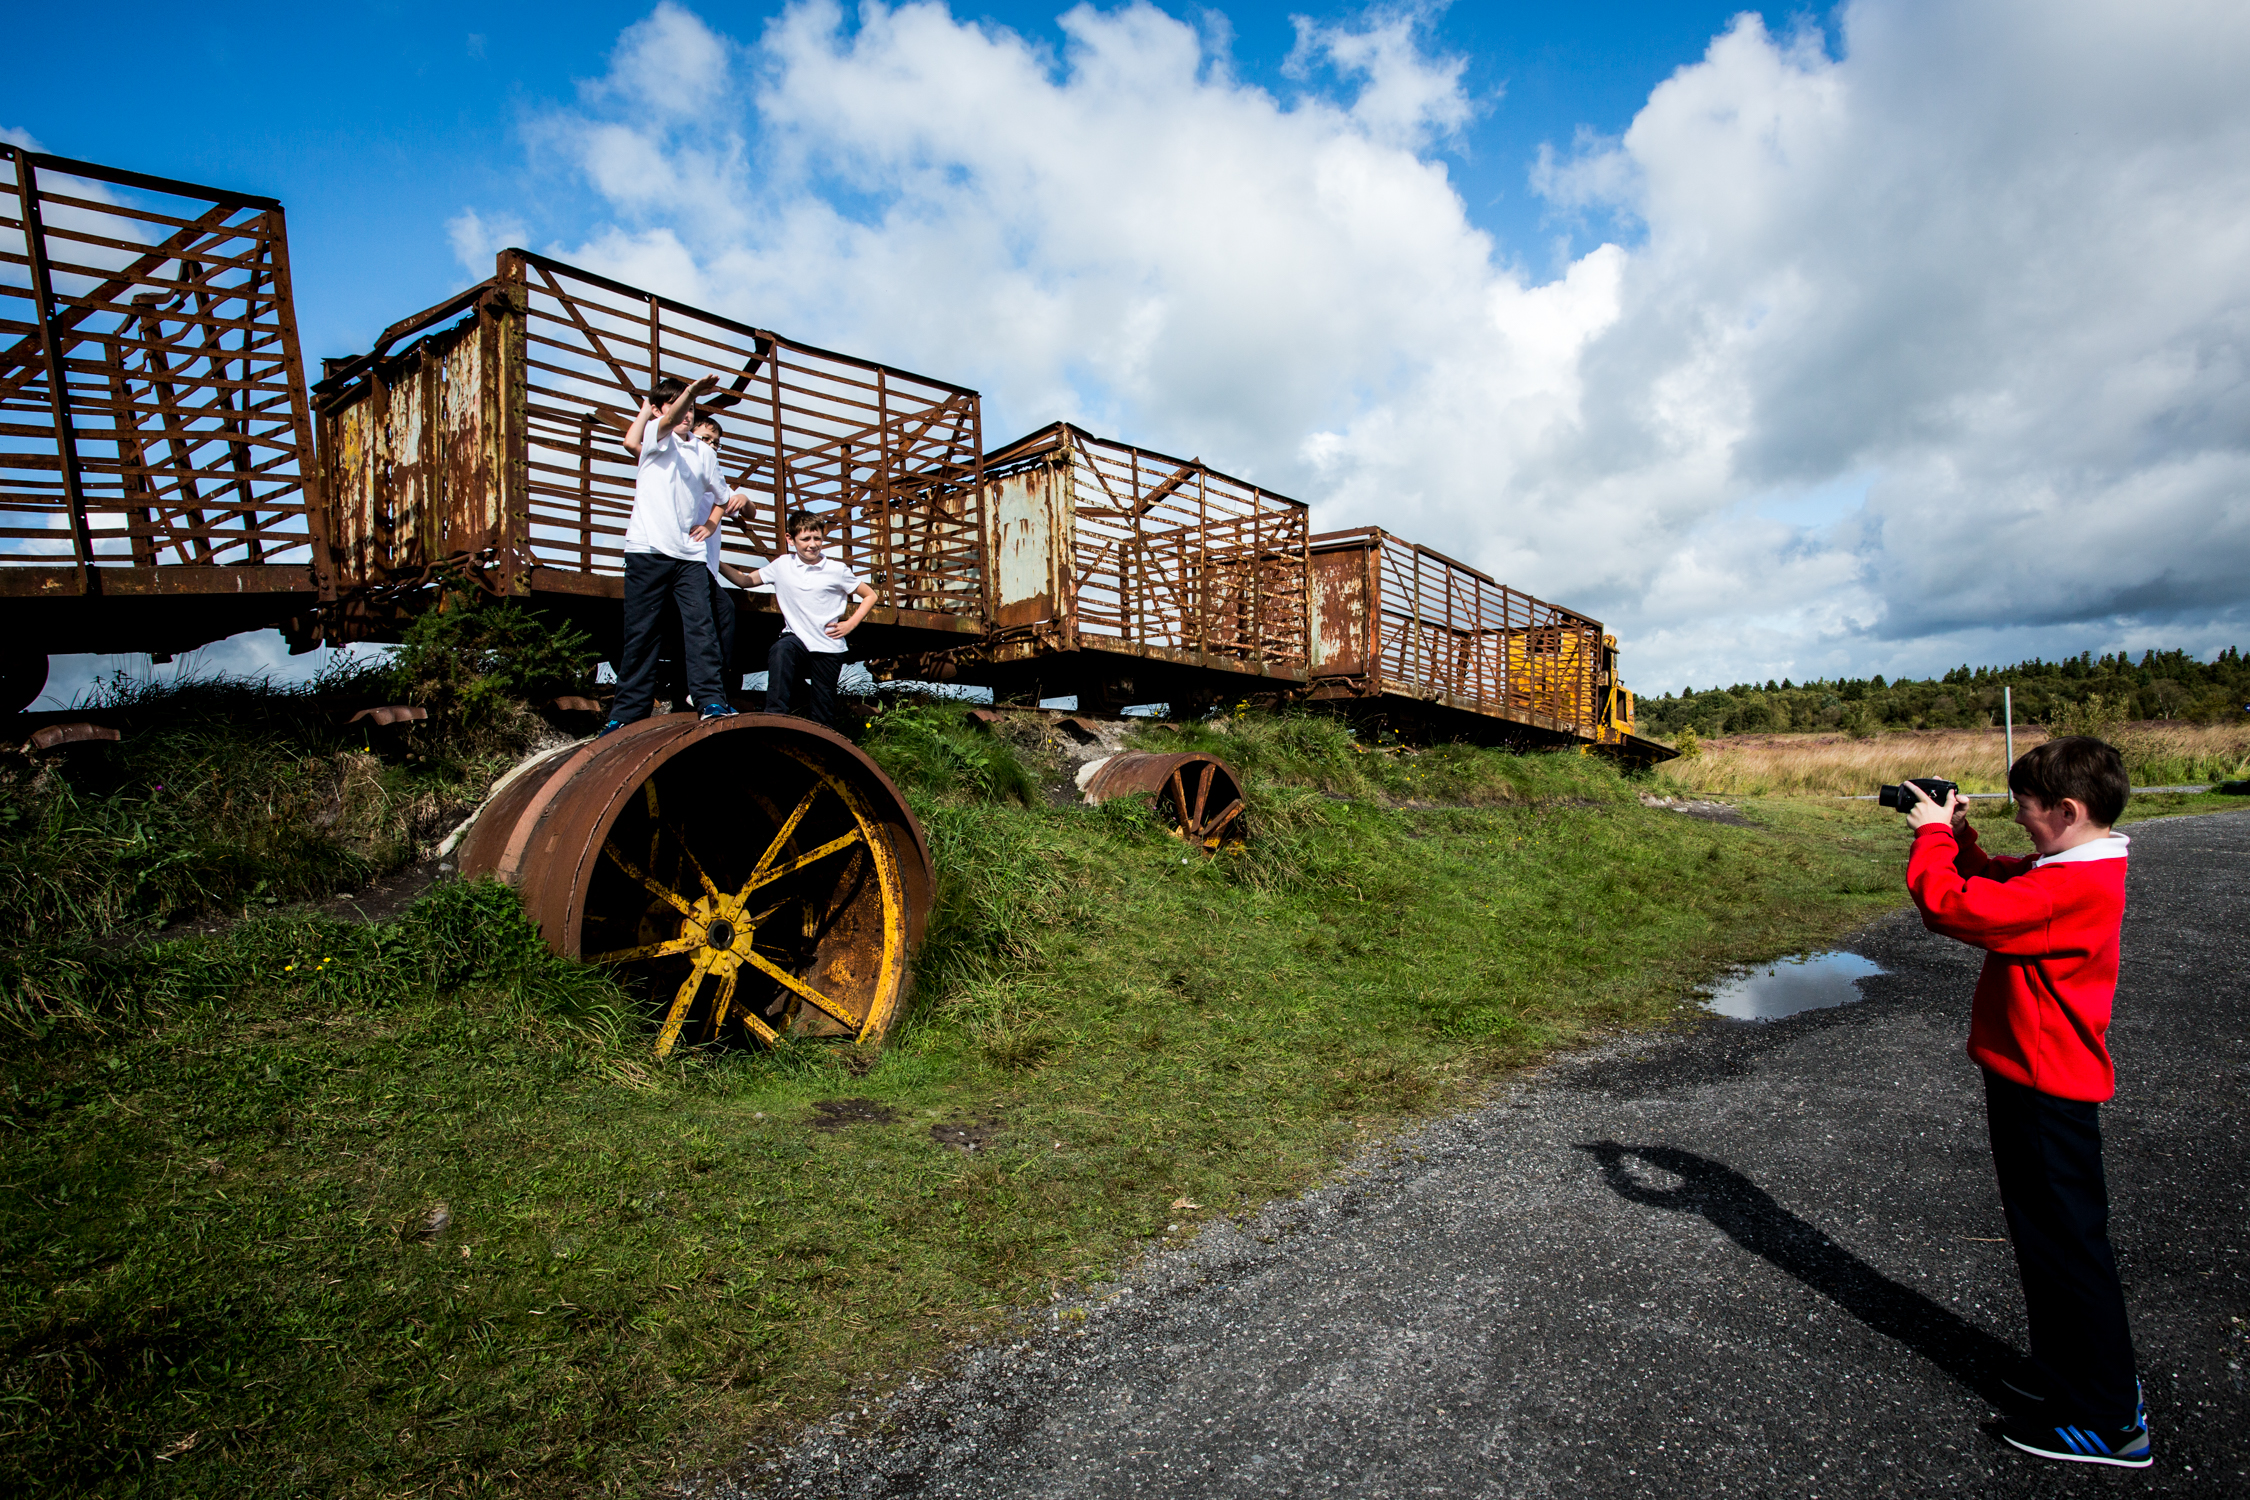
325 1171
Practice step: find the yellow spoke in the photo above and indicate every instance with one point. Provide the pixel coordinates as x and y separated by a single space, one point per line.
656 888
780 839
650 950
783 976
802 860
710 887
721 1001
765 1033
681 1000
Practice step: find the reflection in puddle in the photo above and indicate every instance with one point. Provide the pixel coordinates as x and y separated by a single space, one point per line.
1814 981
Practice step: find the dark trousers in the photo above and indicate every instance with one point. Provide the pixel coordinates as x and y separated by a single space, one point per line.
722 621
802 681
2048 1154
658 588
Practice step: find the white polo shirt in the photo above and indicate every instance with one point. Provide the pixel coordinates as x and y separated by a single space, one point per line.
812 599
674 488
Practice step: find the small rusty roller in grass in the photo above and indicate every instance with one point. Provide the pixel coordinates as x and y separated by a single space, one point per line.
751 877
1200 794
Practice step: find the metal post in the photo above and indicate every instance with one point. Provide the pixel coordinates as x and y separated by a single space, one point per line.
2008 716
58 378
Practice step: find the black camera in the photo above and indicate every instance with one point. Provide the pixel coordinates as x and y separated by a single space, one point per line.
1902 799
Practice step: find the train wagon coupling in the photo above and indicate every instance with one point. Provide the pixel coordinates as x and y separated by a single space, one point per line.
169 478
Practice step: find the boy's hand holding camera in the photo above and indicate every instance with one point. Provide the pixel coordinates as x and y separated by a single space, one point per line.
1928 810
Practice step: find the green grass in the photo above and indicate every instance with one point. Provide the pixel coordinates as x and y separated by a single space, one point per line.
222 1186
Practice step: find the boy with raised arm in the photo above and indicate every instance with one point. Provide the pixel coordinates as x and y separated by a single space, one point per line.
679 498
2050 926
812 589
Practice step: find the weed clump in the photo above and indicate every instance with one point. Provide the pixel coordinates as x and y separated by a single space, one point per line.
478 663
931 746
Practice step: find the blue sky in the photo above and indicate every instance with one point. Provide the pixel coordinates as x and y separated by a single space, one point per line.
376 124
1786 343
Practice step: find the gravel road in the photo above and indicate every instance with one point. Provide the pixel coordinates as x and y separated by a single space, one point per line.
1751 1259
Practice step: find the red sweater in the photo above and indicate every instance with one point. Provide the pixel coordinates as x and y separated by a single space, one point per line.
2049 929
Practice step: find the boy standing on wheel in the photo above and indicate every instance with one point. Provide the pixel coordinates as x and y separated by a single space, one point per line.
812 590
679 498
2049 924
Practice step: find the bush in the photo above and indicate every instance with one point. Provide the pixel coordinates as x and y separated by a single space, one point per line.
474 662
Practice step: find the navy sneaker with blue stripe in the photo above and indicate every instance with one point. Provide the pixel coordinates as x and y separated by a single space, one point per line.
2030 1392
2080 1443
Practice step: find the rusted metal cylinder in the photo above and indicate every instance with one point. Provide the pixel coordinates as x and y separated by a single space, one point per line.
751 877
1199 793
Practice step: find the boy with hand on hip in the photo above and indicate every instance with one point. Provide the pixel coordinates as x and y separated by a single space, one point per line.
2049 924
811 589
679 498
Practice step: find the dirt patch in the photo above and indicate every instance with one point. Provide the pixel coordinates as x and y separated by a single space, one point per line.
966 1136
385 899
1709 812
835 1114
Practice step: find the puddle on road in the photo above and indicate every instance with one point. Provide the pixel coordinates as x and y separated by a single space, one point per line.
1813 981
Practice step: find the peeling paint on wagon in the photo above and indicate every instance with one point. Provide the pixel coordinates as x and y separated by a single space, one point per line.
1124 575
1398 621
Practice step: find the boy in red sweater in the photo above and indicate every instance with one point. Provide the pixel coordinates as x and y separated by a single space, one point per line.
2049 924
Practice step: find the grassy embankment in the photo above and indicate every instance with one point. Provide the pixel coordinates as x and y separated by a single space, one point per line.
308 1208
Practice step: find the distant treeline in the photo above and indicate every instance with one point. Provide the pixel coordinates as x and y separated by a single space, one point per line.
2161 685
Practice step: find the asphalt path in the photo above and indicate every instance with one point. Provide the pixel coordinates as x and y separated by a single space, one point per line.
1756 1258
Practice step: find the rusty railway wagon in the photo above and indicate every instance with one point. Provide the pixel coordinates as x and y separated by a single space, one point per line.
1404 630
485 435
1123 575
157 485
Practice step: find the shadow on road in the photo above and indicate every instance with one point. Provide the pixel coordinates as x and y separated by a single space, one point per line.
1746 1214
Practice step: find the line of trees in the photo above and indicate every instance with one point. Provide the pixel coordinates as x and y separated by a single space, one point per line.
2161 685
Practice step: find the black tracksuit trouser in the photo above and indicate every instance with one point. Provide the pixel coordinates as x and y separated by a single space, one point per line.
802 681
2048 1154
657 586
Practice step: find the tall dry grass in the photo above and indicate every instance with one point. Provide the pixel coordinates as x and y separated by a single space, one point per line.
2157 753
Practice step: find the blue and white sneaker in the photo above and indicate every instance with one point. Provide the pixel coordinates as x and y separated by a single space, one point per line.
719 711
2079 1443
610 728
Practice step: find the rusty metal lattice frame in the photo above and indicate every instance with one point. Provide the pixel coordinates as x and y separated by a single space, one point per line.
1394 618
155 431
530 483
1145 555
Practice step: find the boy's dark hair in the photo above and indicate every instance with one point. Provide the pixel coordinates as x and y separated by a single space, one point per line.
805 520
2077 765
706 419
665 391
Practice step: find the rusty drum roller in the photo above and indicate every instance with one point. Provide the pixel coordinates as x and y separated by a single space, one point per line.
753 877
1199 793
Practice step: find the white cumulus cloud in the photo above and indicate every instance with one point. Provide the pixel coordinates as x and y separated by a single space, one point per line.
1928 349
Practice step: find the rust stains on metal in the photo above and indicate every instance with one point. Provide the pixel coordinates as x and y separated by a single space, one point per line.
389 714
1099 547
54 736
490 440
750 877
150 385
1399 619
1200 794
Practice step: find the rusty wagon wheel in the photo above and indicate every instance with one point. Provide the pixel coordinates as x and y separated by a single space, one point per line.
752 877
1200 794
